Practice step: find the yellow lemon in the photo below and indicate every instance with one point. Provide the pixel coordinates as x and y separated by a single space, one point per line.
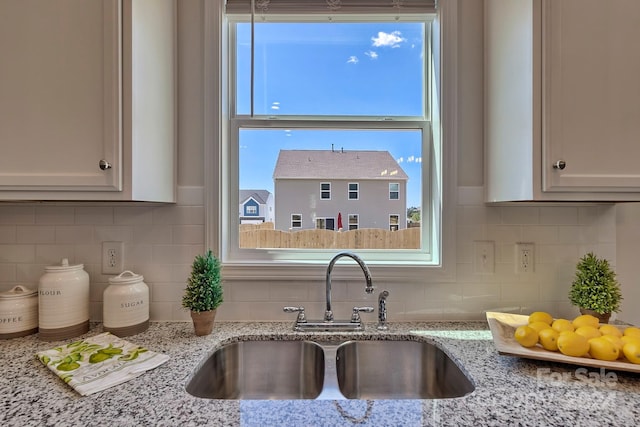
588 332
562 325
602 349
572 344
540 316
632 331
616 341
631 351
538 326
626 338
586 320
607 329
526 336
548 338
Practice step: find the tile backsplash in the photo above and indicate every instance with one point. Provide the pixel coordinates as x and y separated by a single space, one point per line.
161 241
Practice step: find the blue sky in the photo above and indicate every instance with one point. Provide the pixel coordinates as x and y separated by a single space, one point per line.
330 69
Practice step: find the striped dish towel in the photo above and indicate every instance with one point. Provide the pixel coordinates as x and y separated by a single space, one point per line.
97 363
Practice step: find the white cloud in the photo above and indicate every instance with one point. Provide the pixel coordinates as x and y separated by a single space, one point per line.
275 107
352 60
388 39
400 160
371 54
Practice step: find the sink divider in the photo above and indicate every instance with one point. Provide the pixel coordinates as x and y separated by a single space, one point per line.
330 387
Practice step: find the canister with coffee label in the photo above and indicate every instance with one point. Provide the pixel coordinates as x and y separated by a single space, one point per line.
125 308
18 312
63 302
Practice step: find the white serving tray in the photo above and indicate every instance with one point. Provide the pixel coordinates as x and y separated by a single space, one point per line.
503 325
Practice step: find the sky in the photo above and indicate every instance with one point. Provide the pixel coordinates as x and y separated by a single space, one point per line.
330 69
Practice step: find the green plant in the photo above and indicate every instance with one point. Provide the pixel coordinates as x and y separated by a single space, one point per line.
595 286
204 286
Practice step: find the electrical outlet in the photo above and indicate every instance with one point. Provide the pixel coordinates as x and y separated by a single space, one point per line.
524 258
484 257
112 257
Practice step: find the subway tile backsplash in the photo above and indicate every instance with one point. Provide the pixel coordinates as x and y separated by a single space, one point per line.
161 242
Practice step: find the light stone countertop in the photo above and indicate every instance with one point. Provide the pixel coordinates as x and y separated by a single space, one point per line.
509 390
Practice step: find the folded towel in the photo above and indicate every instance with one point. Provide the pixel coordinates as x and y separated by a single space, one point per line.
99 362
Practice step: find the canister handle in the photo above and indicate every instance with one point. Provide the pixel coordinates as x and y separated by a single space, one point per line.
131 273
19 288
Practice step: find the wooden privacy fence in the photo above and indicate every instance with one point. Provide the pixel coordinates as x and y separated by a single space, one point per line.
264 236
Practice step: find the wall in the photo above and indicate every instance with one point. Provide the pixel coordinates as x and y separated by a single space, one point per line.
161 241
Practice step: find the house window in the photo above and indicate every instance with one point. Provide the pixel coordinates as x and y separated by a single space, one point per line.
394 191
325 190
256 117
252 210
394 222
296 221
353 191
325 223
353 221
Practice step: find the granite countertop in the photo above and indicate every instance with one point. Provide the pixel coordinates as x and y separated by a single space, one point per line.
509 390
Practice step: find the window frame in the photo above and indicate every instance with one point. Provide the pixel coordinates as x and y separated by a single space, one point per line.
356 224
323 191
356 191
397 192
216 130
296 220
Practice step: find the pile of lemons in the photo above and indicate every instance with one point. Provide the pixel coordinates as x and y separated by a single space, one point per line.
582 336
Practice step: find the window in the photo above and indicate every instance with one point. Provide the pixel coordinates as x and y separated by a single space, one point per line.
353 191
394 191
252 210
325 191
394 222
353 221
325 223
254 107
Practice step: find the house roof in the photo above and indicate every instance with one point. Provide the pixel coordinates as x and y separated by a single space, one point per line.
337 164
260 196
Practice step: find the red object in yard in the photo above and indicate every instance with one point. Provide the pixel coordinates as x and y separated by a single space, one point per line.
339 221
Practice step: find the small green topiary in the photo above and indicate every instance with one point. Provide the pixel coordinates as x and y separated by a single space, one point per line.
595 286
204 286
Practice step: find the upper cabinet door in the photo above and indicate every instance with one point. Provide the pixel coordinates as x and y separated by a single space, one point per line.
60 95
591 96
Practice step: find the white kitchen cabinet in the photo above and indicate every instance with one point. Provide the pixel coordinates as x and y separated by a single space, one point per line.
562 100
85 83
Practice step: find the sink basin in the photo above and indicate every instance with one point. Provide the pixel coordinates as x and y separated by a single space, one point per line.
398 370
261 370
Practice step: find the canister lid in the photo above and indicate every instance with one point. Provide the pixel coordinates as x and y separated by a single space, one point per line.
126 278
18 291
64 266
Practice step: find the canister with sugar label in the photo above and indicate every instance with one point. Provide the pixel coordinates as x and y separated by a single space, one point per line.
125 308
63 301
18 312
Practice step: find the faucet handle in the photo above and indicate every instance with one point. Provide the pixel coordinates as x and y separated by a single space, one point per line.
302 318
355 317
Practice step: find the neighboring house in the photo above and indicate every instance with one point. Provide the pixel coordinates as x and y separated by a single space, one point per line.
256 206
323 188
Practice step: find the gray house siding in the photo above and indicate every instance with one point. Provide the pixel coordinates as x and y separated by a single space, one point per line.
298 179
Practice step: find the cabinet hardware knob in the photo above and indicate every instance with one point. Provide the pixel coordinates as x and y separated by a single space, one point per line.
104 165
560 164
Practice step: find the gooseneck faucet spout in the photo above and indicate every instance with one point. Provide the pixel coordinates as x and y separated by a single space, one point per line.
328 314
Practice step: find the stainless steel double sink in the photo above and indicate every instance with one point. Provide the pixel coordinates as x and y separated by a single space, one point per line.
367 369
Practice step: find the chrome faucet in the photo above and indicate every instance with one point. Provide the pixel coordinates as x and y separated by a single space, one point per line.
328 314
382 311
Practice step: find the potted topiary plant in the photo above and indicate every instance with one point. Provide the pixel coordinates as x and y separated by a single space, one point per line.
595 289
203 294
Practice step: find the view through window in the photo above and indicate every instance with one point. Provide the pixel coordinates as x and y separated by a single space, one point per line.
331 131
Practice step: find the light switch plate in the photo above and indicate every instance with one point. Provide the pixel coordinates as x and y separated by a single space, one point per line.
484 257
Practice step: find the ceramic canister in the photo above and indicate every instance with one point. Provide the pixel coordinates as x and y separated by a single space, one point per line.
63 301
125 309
18 312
